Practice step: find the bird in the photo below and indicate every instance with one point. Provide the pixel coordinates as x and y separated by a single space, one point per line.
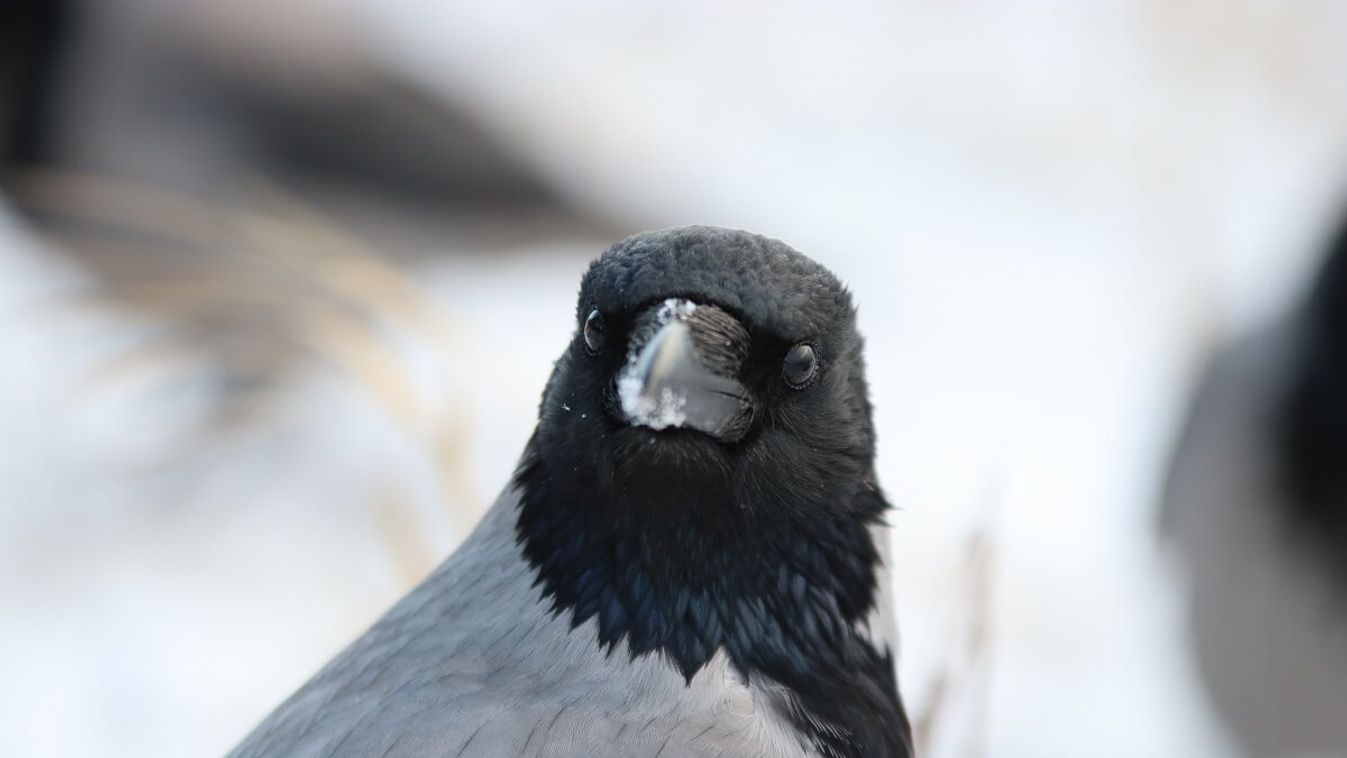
1255 509
689 559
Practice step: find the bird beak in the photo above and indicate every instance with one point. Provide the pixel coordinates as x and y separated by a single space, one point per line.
667 384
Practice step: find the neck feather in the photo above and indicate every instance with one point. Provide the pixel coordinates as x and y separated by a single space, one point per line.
783 597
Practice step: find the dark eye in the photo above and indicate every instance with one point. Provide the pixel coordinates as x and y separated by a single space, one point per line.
800 366
596 332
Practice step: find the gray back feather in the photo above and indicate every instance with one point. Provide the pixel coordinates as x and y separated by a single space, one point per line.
473 663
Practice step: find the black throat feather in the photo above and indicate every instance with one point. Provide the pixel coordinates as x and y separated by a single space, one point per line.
686 572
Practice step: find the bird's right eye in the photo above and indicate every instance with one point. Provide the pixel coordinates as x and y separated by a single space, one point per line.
800 366
596 332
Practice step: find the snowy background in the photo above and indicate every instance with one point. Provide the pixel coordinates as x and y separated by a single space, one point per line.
278 299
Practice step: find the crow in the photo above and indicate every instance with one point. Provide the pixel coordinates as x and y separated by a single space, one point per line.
1256 507
688 560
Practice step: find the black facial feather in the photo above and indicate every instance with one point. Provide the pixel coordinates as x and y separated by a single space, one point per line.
721 340
1313 418
682 545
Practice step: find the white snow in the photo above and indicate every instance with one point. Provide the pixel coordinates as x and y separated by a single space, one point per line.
664 410
674 308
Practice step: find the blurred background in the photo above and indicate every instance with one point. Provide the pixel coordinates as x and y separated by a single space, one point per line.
281 283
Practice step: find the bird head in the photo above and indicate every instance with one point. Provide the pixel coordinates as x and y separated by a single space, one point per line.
701 477
711 365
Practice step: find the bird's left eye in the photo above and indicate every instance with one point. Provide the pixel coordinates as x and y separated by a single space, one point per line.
596 332
800 366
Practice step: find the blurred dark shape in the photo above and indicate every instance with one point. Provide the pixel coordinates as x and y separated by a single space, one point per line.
1254 506
109 87
33 37
1313 451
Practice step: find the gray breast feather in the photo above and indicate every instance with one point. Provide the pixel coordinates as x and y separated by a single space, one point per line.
472 663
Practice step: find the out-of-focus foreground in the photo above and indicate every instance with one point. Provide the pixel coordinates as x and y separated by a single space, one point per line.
281 282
